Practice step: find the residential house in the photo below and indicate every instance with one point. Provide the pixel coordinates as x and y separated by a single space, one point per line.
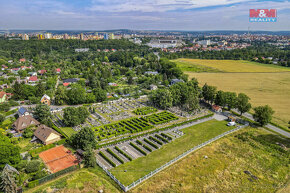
58 70
45 100
152 73
42 72
15 70
70 80
217 108
66 84
23 122
174 81
32 73
22 60
22 112
32 79
46 135
3 97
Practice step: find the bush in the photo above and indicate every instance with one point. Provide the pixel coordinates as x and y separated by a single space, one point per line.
167 136
161 138
107 159
150 143
33 184
114 155
32 166
156 140
35 152
123 153
138 149
28 133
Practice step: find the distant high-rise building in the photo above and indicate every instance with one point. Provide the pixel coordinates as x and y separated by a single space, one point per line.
65 36
82 36
48 36
111 36
106 36
25 37
40 36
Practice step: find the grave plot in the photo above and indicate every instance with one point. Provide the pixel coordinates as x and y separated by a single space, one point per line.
93 121
100 118
131 150
119 116
145 110
160 118
127 126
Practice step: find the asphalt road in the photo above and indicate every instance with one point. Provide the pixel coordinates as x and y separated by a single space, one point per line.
269 126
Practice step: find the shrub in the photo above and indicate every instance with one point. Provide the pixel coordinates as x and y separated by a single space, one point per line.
150 143
32 166
156 140
107 159
167 136
123 153
161 138
114 155
138 149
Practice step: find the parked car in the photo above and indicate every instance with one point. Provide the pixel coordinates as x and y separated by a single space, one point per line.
231 124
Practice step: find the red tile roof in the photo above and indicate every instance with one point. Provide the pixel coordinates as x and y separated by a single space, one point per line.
33 78
66 84
58 70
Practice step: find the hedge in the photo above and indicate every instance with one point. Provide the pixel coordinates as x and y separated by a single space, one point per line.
35 183
143 145
161 138
34 152
114 155
60 131
160 129
123 153
107 159
150 143
167 136
156 140
137 148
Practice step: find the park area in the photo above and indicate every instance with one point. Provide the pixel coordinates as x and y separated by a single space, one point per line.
194 135
265 84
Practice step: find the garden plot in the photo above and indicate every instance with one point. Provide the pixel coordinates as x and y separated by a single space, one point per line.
127 126
160 118
116 155
119 116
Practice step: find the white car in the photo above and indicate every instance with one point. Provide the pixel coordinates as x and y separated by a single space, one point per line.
231 124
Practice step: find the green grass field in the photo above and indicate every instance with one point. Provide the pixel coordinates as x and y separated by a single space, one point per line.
193 136
84 180
249 149
199 65
68 131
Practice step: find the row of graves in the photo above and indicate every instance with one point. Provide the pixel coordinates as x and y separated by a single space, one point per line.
115 155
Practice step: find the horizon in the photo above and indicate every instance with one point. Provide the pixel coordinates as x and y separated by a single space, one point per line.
160 15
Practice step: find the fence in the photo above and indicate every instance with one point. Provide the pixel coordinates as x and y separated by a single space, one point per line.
152 173
51 176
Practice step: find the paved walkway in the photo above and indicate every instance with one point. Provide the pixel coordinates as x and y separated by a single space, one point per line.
269 126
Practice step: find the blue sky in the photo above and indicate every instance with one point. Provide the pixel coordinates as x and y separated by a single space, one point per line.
139 14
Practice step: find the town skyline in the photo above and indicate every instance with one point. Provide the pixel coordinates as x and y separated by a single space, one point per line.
187 15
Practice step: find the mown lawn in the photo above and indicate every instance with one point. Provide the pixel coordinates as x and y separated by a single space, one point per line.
68 131
200 65
249 160
193 136
84 180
